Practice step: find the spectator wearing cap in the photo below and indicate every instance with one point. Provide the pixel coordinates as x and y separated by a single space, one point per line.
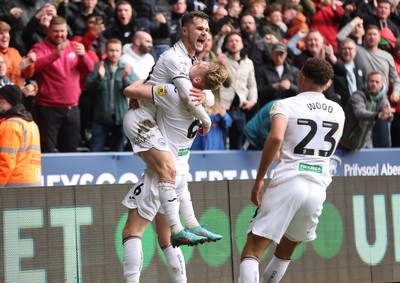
276 79
20 157
18 68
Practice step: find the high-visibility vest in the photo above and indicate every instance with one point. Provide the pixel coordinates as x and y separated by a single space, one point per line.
20 156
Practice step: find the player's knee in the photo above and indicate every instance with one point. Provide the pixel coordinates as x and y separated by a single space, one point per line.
164 240
130 231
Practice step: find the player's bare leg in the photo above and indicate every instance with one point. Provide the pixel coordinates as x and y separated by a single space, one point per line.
251 255
132 242
163 163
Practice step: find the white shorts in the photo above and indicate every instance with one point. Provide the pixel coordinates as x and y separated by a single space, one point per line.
291 208
144 195
142 131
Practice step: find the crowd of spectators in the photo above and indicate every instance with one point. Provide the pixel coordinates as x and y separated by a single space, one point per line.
79 55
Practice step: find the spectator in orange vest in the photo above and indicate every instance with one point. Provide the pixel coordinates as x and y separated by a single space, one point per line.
20 157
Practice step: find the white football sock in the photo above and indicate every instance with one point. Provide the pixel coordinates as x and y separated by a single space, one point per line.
133 259
176 264
170 204
187 212
249 270
275 270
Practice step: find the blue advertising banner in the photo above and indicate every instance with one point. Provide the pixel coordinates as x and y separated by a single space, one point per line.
119 168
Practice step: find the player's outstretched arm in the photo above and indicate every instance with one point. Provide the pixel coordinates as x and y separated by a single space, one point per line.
138 90
184 86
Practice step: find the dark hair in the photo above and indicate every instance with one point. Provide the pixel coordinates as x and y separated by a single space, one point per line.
122 2
318 70
227 36
97 18
188 17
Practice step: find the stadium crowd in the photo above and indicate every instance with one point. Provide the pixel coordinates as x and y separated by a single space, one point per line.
80 55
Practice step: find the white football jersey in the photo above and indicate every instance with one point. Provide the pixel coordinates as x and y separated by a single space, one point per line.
315 126
176 123
173 66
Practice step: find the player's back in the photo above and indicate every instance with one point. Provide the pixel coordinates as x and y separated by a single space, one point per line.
315 126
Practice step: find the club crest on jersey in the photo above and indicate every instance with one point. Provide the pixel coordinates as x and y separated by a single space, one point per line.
161 90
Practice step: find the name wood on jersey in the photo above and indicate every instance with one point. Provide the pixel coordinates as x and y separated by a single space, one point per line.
320 106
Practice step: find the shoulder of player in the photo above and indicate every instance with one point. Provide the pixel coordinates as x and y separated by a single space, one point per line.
165 91
176 58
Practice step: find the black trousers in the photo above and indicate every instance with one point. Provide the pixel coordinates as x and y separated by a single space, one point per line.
59 128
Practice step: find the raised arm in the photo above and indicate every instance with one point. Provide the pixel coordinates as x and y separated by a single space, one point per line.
184 86
138 90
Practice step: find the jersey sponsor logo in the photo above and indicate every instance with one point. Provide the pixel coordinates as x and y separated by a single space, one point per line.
310 168
183 151
273 108
161 90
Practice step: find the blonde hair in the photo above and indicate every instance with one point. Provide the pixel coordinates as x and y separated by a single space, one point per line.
215 76
4 26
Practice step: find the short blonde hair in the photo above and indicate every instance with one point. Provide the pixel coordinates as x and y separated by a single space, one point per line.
215 76
4 26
